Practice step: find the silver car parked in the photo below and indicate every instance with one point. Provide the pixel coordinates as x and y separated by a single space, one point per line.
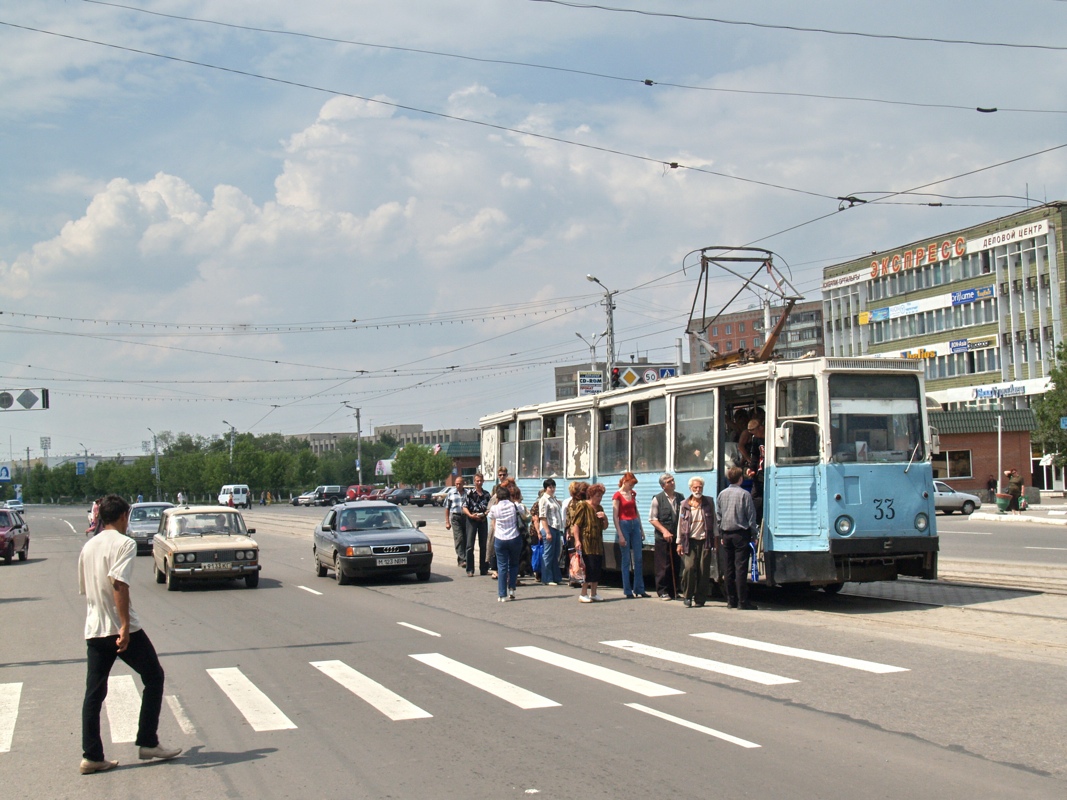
948 499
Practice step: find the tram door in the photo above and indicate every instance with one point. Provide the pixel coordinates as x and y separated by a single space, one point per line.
742 442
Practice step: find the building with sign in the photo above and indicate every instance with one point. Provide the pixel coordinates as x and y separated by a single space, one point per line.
982 307
744 330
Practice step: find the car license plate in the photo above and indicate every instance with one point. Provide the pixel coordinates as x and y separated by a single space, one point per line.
216 565
399 561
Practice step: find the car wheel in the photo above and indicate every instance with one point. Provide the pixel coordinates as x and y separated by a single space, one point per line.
833 588
968 508
24 553
404 502
423 575
320 568
252 580
172 580
338 573
160 577
9 552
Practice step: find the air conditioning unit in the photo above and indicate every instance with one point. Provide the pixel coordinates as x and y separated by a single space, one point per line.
1020 336
1048 332
1004 288
1045 279
1034 334
1031 282
1006 337
1017 284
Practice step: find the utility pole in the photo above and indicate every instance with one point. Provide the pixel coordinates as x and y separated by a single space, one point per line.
155 454
233 431
609 305
359 445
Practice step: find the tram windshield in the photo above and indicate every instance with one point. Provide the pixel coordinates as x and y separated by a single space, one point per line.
875 418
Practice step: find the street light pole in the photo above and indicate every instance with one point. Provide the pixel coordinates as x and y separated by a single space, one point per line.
609 305
233 431
359 445
592 346
155 453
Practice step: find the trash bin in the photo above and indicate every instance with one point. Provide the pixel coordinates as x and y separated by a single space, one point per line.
1002 502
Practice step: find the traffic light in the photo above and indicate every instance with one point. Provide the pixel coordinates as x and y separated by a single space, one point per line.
614 377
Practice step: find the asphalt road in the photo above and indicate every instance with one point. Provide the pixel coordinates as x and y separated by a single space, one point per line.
965 700
998 540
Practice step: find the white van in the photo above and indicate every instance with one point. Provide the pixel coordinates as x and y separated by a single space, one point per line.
242 495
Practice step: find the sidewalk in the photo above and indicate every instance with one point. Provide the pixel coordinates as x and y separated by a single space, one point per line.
1043 514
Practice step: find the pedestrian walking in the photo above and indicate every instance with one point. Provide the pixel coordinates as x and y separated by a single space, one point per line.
736 517
476 512
113 630
696 540
507 541
663 517
456 521
631 537
550 517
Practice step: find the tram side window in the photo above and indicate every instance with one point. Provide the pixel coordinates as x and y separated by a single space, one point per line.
530 448
579 444
798 411
650 436
613 440
694 431
508 446
553 446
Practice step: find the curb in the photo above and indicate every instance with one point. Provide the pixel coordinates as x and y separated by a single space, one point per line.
986 517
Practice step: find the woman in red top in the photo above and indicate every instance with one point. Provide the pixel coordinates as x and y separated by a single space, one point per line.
630 536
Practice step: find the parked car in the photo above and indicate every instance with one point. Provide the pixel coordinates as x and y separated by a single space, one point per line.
358 492
329 495
379 494
948 499
242 495
424 496
16 505
204 542
144 524
440 495
305 499
400 497
370 537
14 536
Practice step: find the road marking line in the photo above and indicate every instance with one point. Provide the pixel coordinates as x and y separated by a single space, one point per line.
1045 548
694 726
123 706
9 712
417 628
620 679
256 707
388 702
179 714
796 652
734 671
515 695
971 533
309 591
72 528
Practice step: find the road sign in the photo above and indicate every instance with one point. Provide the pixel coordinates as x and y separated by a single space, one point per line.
1063 422
590 382
5 473
650 376
23 399
667 372
79 467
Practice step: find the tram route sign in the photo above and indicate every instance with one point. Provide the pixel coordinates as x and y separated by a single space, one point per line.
23 399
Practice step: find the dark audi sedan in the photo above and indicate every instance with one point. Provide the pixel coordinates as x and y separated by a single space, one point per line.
370 537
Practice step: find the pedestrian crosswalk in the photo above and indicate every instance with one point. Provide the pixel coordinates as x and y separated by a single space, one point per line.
249 702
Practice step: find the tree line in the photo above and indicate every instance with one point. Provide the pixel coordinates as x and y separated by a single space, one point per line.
198 467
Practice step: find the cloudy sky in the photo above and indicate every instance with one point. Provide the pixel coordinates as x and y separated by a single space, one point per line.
257 210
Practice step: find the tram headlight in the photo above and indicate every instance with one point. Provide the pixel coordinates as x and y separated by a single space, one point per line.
922 522
845 525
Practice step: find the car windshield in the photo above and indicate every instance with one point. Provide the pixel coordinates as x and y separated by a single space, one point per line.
5 519
206 523
875 418
372 519
145 514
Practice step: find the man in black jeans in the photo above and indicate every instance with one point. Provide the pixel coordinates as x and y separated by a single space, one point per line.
112 630
736 515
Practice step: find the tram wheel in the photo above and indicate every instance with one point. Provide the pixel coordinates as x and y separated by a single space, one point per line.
833 588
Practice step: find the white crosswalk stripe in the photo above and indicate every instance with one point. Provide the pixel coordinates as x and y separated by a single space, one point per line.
123 706
693 726
179 714
388 702
10 693
256 707
796 652
732 670
614 677
499 687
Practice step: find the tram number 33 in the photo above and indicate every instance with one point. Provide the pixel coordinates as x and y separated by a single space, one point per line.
883 508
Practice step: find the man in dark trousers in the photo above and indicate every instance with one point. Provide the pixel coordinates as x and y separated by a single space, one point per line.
736 515
663 516
112 630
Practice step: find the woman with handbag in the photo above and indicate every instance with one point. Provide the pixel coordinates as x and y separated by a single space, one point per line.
507 542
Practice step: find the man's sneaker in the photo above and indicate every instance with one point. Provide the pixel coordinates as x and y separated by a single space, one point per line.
163 753
687 602
89 767
584 598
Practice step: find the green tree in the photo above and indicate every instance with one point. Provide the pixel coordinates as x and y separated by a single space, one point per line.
1050 407
411 464
438 467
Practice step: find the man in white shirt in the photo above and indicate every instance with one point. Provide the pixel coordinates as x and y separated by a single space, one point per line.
112 630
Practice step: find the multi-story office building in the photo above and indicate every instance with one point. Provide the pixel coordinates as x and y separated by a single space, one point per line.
981 306
744 330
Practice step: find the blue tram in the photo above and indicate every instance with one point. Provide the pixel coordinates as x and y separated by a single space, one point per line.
846 474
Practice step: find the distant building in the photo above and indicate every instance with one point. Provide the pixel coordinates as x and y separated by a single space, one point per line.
404 434
743 330
631 373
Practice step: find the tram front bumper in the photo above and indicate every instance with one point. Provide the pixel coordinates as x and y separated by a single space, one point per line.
861 559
